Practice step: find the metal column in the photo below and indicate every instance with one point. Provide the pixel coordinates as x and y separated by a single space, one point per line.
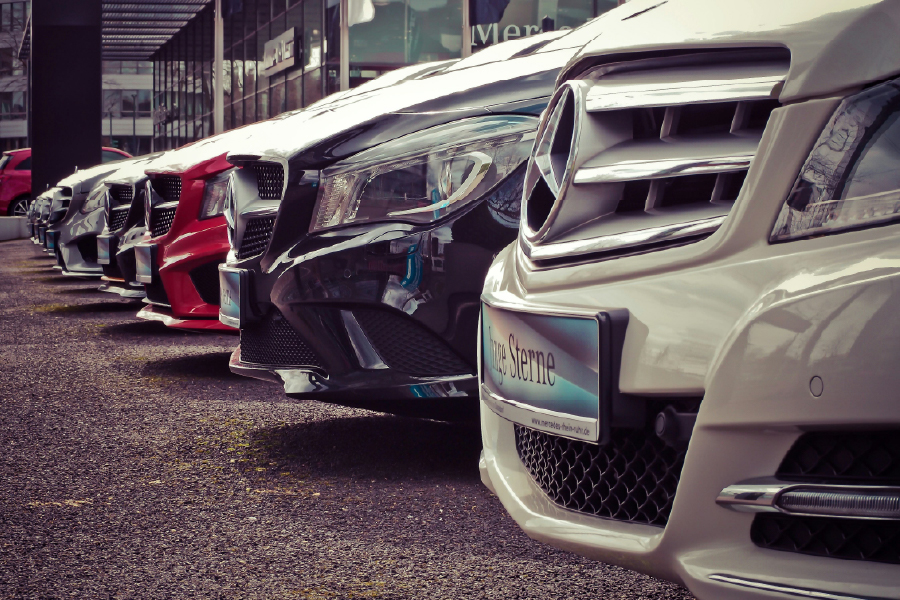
218 75
345 45
67 93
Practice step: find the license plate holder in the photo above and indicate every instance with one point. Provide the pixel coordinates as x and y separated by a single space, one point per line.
144 259
104 247
233 295
554 372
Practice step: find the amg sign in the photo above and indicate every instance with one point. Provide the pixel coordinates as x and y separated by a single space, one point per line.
280 53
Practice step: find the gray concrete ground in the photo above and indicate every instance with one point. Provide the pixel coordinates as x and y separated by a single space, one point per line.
135 465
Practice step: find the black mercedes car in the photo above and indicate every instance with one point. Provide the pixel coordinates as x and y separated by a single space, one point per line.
362 232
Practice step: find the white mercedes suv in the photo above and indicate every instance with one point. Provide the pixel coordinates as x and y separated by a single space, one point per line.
689 356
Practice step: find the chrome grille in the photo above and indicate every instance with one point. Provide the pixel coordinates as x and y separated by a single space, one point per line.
643 155
168 187
161 220
632 478
269 180
117 217
257 234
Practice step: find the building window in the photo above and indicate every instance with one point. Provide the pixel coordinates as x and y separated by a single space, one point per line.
12 106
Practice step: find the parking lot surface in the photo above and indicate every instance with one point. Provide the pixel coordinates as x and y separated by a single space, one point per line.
135 465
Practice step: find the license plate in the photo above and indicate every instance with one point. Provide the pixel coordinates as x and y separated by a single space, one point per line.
103 243
51 240
42 232
230 290
543 371
143 258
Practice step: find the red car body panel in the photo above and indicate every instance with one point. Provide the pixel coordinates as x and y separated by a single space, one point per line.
188 244
15 184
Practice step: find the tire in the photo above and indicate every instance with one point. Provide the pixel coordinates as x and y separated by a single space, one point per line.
18 208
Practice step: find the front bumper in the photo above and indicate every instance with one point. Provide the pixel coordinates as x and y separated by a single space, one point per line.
184 282
748 332
383 316
161 315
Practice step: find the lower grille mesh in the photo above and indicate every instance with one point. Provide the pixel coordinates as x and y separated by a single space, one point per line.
156 293
408 347
273 341
851 539
161 220
117 218
256 237
632 478
87 246
870 457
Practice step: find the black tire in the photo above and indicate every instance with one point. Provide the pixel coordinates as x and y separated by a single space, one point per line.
18 208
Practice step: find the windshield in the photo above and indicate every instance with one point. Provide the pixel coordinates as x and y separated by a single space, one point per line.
4 160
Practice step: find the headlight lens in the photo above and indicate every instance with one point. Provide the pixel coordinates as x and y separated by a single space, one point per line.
426 175
852 176
97 199
214 194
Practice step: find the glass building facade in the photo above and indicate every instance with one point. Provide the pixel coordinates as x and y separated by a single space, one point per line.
382 35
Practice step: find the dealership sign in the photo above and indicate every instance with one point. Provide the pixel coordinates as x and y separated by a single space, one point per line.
280 53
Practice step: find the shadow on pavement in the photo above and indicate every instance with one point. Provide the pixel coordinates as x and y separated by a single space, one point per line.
383 447
63 280
142 328
213 365
73 291
94 307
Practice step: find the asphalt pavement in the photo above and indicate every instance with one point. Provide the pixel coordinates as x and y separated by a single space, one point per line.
135 465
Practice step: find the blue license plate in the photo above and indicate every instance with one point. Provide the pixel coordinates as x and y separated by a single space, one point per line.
103 243
542 371
230 301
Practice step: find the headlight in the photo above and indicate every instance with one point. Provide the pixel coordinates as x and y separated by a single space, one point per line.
852 176
426 175
214 193
97 199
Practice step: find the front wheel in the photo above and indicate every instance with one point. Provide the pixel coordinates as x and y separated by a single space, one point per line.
19 208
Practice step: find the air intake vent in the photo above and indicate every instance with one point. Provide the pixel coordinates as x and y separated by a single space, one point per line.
117 218
274 342
257 234
161 220
269 180
844 457
168 187
632 478
648 154
122 194
407 346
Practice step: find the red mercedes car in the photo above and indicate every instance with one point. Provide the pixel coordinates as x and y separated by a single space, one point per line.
186 240
15 178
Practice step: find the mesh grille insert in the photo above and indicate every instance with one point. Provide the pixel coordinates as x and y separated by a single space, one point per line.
122 194
168 187
408 347
632 478
269 180
273 341
161 220
256 237
851 539
156 293
867 457
117 217
87 246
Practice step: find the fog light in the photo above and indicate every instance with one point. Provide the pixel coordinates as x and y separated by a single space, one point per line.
873 505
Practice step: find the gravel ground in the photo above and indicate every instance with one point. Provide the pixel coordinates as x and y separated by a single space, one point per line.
135 465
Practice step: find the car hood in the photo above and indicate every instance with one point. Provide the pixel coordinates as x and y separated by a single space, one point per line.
511 77
82 181
835 44
134 171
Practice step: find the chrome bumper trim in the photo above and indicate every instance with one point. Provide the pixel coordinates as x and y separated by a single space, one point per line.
784 589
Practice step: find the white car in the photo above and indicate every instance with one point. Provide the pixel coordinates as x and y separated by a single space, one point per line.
689 357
